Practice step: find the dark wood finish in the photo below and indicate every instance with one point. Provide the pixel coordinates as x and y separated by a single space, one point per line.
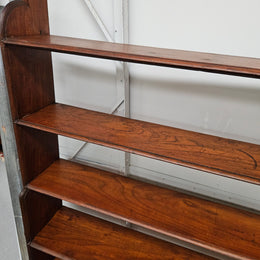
74 235
37 150
29 79
30 83
223 229
38 255
216 63
24 17
28 72
217 155
37 210
26 49
30 88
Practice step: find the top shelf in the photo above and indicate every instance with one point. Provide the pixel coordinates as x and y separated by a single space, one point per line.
216 63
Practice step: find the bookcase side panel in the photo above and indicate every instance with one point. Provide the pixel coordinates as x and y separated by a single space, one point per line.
29 78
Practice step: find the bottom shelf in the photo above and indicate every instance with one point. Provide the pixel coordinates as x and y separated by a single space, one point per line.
210 225
74 235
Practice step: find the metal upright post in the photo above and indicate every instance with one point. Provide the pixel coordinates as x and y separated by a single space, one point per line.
122 72
121 33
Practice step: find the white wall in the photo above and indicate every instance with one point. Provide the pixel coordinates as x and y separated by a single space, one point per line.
216 104
3 2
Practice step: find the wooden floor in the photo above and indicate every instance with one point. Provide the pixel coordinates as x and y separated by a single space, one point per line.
223 229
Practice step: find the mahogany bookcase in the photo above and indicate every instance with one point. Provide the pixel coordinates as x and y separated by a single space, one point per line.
53 231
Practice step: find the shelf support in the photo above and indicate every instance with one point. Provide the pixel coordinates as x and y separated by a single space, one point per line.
121 35
121 32
11 161
98 20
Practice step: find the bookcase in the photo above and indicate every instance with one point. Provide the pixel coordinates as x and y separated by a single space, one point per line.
56 232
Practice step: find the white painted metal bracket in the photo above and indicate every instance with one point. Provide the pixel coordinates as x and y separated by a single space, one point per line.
121 26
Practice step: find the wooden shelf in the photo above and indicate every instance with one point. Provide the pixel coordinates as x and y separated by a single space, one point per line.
74 235
52 231
223 229
225 64
230 158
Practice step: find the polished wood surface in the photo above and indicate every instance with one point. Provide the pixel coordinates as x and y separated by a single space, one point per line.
242 66
74 235
216 155
30 87
24 17
223 229
30 83
28 71
29 79
37 150
37 210
26 49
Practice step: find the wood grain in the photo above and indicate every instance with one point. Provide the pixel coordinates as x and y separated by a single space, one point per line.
37 210
230 158
74 235
232 65
37 150
26 49
223 229
29 79
24 17
28 71
30 83
30 87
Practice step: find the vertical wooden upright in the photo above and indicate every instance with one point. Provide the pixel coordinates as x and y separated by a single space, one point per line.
29 78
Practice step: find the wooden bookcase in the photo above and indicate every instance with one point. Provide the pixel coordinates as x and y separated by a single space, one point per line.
54 231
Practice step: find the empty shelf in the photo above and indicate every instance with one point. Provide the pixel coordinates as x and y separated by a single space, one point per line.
241 66
223 229
74 235
217 155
